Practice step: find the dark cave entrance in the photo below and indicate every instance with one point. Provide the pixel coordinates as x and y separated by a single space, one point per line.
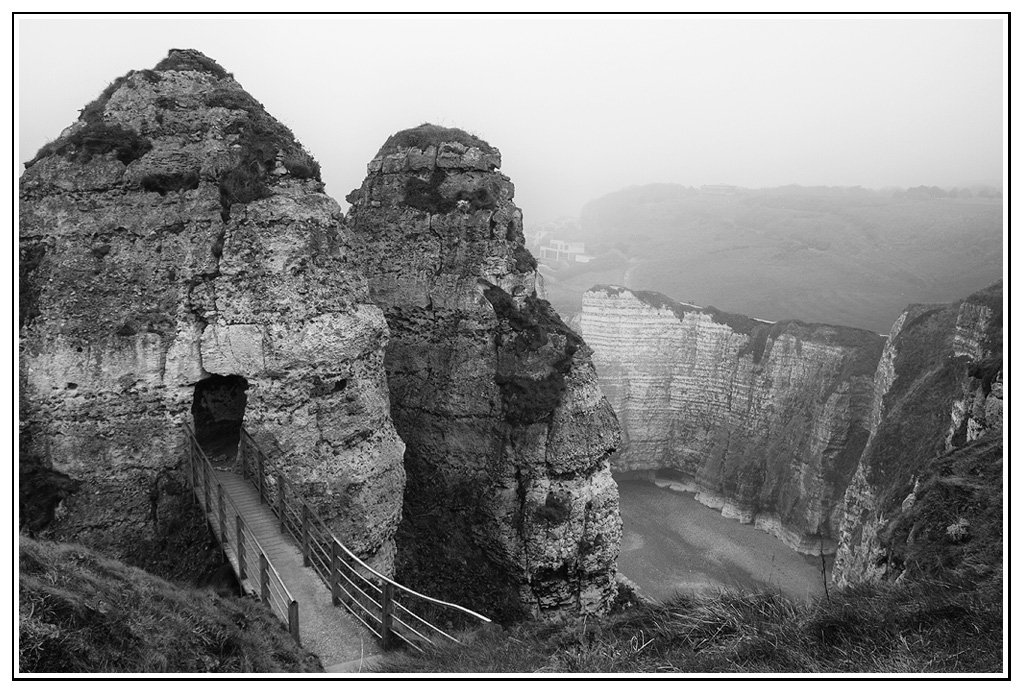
218 408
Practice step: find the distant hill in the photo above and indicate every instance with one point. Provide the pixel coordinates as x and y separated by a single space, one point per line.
845 256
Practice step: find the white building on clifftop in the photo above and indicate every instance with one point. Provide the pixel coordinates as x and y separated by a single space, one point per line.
572 251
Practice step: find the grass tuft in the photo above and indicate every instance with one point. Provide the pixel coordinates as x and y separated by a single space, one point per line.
166 183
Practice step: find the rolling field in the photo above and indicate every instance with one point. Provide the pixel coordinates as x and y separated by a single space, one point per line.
839 256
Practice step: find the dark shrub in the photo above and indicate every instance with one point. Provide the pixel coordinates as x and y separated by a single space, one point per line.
301 165
525 262
526 399
97 138
100 138
165 183
261 140
426 195
93 112
234 99
244 183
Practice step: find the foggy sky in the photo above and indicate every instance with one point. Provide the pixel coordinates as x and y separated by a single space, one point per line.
580 106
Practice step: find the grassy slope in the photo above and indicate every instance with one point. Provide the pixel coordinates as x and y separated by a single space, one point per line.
81 612
817 255
912 628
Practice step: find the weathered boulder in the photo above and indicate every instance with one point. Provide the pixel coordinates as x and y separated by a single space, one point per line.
765 421
178 255
510 504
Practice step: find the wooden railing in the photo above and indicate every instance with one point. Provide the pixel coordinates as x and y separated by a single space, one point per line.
388 609
252 567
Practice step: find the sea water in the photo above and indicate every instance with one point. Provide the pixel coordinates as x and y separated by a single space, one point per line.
673 544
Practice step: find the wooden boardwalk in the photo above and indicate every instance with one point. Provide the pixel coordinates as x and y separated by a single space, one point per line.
338 607
330 632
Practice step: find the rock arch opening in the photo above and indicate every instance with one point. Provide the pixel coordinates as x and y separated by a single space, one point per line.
218 408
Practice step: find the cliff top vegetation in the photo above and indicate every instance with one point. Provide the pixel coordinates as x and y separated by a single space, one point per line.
189 59
259 138
428 134
914 628
81 612
868 344
741 324
912 445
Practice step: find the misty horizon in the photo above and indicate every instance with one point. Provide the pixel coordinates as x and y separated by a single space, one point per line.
583 105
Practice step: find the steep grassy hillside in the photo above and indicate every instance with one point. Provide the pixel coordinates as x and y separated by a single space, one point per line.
81 612
914 628
831 255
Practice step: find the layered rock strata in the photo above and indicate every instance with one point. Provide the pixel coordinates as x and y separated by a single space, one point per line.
765 421
938 390
178 256
508 436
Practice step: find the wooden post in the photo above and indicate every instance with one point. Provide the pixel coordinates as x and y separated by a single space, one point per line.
305 534
259 472
280 499
264 579
222 521
206 484
386 608
293 621
240 549
195 466
191 459
335 571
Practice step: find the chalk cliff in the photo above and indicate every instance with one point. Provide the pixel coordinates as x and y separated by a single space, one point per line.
180 260
765 421
510 503
936 430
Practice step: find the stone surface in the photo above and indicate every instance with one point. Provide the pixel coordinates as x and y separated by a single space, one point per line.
763 421
938 388
507 433
177 232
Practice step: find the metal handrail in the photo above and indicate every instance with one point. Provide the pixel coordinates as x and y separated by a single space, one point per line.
201 486
265 474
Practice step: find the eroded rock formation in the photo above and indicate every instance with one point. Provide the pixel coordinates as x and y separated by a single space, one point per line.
937 407
510 504
176 233
765 421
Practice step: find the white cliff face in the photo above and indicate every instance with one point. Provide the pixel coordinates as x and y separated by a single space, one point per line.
766 421
938 388
144 275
